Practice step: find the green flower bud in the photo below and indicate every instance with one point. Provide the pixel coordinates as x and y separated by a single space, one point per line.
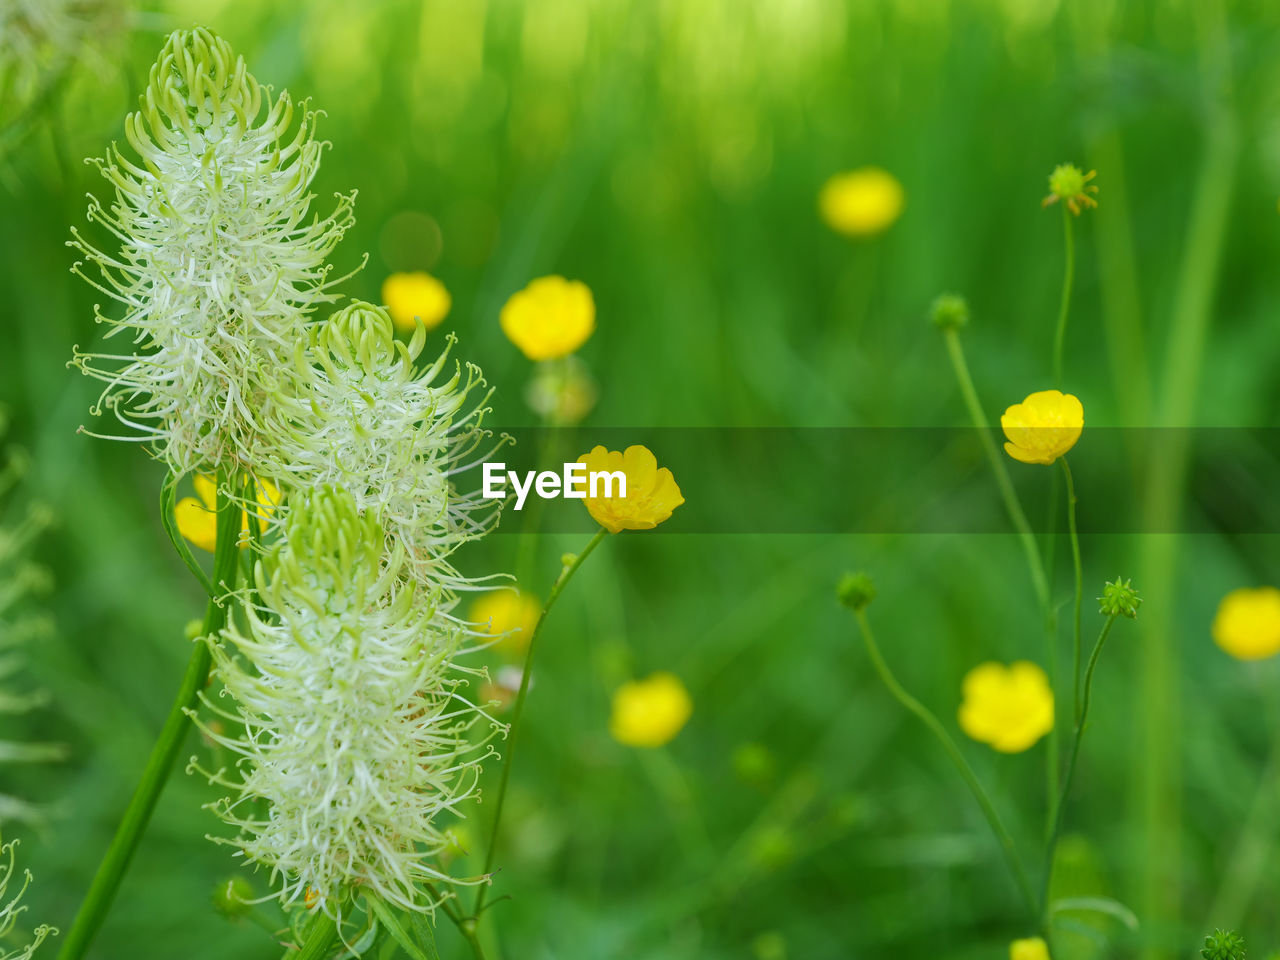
856 591
1119 599
231 897
1223 945
949 312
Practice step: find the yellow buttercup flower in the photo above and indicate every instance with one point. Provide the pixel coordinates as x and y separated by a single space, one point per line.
652 493
862 202
1009 708
198 522
410 297
510 615
1033 948
1247 624
650 712
1043 427
551 317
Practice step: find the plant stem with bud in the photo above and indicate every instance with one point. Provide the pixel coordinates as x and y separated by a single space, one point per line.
949 745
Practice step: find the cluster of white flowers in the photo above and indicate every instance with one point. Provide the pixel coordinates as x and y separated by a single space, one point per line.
220 262
352 735
353 730
385 430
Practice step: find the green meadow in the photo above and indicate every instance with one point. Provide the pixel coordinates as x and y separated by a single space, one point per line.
800 382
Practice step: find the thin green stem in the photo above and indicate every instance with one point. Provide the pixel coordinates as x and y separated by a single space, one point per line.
1010 496
320 936
953 751
1064 307
566 574
1061 801
102 891
1035 562
468 930
1075 558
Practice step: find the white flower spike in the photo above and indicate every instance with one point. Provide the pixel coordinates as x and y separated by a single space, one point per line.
354 732
220 262
395 435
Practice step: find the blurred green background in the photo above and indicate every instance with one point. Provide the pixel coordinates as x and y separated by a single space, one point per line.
669 154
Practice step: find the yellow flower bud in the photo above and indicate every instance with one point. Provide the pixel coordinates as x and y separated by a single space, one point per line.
650 712
1247 624
551 317
509 615
1033 948
1043 427
1008 708
652 493
415 296
862 202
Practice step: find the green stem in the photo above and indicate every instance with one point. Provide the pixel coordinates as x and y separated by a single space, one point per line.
566 574
468 929
1064 307
966 772
102 891
1035 562
1075 558
1010 496
320 936
1061 801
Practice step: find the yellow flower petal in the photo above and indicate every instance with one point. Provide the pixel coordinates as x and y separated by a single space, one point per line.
1247 624
510 615
1043 427
1033 948
197 520
197 523
206 489
861 202
551 317
652 493
1008 708
410 297
650 712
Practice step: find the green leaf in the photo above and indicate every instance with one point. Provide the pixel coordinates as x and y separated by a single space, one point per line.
167 503
1112 908
425 950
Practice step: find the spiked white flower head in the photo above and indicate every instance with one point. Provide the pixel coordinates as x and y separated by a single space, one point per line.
354 733
220 262
395 435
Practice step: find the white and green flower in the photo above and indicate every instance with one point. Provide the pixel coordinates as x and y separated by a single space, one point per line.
355 733
220 261
395 435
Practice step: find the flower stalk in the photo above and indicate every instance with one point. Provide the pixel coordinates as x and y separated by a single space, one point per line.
935 727
1079 597
110 872
1060 801
571 566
